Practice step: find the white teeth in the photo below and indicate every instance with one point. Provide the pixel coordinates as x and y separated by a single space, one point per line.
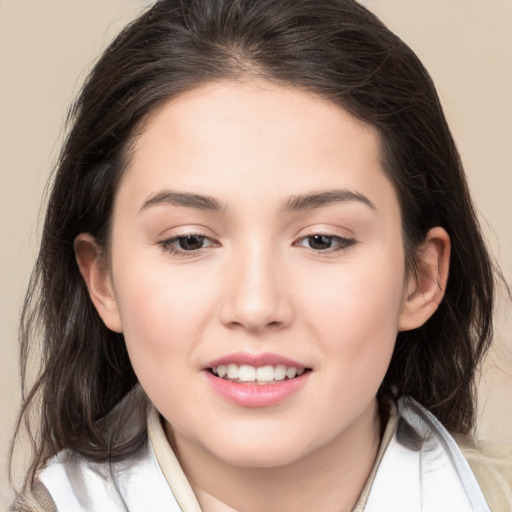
291 372
265 373
232 371
260 375
247 373
280 372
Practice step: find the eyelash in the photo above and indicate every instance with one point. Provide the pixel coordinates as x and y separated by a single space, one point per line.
341 243
171 245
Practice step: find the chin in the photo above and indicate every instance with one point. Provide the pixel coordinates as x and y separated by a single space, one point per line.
262 459
266 450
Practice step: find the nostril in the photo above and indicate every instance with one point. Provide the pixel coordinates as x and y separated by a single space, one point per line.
250 308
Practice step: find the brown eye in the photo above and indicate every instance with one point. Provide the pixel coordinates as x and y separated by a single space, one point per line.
191 242
187 245
327 244
320 242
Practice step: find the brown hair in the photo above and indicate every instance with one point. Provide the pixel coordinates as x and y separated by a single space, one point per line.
333 48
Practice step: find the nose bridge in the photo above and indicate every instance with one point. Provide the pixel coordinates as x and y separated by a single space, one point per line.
255 296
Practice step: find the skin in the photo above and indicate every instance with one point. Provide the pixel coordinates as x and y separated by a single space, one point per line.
257 285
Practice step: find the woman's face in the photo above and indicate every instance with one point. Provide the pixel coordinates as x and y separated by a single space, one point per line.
256 233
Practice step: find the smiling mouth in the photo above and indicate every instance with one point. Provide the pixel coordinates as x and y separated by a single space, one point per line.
247 374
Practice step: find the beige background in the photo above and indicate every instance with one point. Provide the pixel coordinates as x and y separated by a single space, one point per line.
47 46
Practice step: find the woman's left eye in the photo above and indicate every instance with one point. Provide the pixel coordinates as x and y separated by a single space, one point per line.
325 243
186 244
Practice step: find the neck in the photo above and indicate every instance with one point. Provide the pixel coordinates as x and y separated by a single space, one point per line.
330 478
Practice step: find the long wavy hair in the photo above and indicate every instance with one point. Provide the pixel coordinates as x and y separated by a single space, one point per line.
333 48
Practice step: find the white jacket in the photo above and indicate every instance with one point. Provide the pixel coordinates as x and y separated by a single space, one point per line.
419 468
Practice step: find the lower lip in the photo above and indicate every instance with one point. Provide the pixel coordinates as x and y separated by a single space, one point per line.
256 395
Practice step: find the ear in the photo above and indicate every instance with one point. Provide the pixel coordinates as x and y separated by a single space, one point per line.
425 287
98 280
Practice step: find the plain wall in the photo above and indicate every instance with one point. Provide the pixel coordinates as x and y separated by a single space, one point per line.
47 46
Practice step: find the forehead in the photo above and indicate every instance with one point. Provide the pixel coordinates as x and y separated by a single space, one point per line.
229 139
259 108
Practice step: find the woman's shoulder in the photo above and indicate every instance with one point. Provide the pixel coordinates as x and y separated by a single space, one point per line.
491 464
38 499
72 482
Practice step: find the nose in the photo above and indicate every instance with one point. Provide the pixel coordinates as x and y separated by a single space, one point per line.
256 297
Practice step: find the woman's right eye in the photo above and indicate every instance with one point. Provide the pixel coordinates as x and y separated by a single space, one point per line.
325 243
187 244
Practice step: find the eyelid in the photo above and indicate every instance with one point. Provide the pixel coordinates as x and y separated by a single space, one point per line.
343 242
167 245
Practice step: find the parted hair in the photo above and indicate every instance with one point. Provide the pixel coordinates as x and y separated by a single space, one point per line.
335 49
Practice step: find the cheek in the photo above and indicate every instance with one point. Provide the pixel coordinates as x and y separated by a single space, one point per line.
356 314
354 320
162 315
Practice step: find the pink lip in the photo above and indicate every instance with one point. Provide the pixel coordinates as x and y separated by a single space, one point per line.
263 359
255 395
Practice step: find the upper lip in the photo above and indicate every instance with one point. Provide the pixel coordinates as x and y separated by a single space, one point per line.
256 360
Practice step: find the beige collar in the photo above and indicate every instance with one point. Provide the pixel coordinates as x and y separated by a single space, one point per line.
182 489
170 466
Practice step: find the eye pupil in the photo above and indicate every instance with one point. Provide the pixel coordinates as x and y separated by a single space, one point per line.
191 242
320 241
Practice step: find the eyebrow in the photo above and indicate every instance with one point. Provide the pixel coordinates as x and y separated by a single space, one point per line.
186 199
319 199
294 203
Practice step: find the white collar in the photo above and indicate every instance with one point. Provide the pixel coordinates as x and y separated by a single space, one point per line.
421 469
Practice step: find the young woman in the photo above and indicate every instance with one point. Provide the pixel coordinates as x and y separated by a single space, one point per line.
261 285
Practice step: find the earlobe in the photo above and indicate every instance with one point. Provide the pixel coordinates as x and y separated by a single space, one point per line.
426 287
98 280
